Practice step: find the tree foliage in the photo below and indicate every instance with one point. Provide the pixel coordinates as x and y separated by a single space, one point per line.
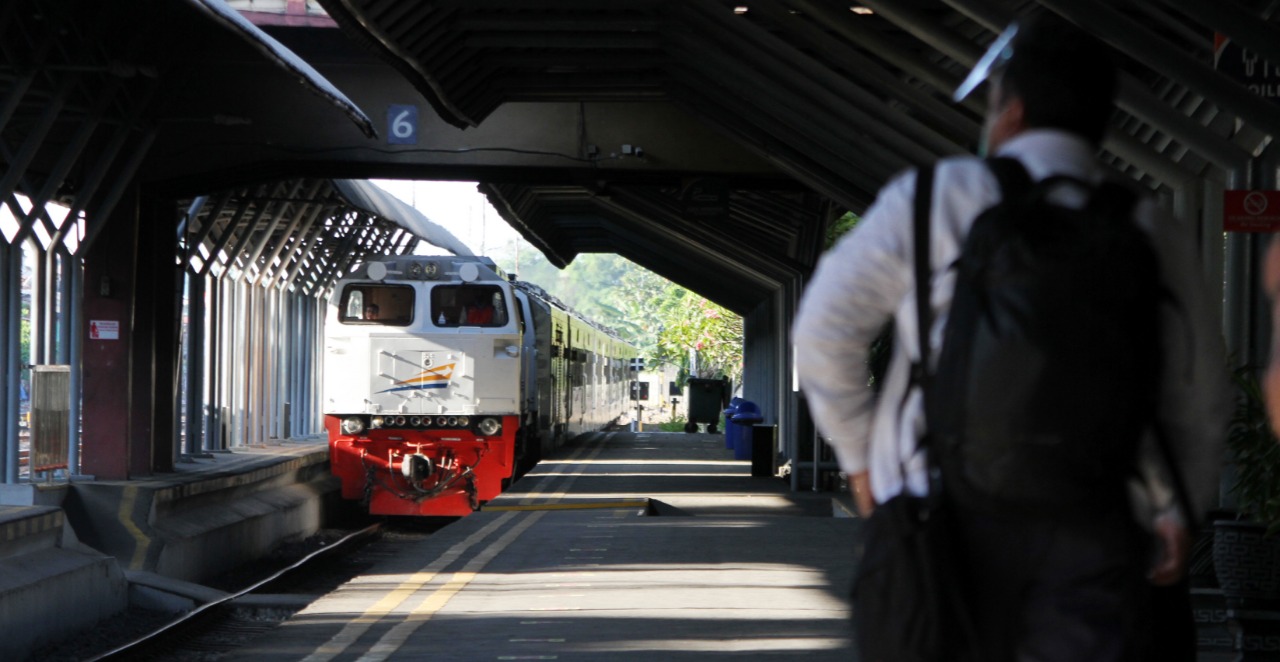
839 227
704 339
667 323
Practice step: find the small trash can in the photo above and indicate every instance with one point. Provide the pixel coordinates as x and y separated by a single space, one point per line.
748 415
730 429
764 450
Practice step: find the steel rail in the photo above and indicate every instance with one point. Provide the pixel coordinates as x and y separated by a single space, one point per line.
181 625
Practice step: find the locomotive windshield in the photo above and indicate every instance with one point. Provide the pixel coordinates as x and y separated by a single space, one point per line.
369 303
468 305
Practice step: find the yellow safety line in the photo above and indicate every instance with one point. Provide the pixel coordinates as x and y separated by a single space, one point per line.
395 638
142 542
361 624
642 503
391 642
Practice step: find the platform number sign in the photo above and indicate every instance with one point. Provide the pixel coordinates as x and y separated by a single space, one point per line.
402 124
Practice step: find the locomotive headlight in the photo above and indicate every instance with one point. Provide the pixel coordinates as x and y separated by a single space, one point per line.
489 426
399 421
415 270
453 421
462 421
415 421
441 421
375 422
352 425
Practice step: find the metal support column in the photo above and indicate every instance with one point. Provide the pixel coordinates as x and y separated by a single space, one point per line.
74 275
1238 285
212 359
38 309
314 321
196 313
11 341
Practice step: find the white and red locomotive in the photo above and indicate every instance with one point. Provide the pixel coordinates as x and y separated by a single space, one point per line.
443 381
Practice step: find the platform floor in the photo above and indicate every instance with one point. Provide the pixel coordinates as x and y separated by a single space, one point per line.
575 563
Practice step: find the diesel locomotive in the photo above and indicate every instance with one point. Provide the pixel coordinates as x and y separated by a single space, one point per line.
444 380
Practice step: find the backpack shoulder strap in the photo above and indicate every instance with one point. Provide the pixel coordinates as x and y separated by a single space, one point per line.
1113 200
1012 176
924 310
923 270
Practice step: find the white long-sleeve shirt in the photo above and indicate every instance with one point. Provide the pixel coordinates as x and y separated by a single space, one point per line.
868 277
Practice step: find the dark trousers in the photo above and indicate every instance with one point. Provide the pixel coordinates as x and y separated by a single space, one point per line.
1042 590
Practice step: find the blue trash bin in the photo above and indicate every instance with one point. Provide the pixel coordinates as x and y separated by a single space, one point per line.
748 415
730 430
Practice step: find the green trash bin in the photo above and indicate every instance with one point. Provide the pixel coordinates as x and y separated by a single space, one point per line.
707 399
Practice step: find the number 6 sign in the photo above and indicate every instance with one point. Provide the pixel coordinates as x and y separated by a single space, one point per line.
402 125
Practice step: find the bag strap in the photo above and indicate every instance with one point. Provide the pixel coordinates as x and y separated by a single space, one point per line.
924 311
923 273
1012 176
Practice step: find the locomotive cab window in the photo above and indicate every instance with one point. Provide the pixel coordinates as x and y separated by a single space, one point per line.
468 305
367 303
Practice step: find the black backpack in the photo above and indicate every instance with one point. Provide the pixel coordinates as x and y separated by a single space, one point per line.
1049 367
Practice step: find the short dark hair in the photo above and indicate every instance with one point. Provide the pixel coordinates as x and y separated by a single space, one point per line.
1064 76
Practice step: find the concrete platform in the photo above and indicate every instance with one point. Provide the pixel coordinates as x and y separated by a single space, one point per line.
85 550
211 514
622 546
50 587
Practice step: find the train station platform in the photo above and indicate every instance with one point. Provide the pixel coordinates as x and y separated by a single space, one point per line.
211 513
622 546
72 553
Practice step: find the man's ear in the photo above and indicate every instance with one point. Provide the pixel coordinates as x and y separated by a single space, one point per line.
1005 123
1013 118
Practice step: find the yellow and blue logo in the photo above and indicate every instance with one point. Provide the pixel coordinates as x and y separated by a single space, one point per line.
437 377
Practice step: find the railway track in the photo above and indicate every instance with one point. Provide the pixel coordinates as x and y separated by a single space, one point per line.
225 624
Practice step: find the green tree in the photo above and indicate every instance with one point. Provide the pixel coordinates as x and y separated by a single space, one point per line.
25 334
705 339
839 227
665 322
643 306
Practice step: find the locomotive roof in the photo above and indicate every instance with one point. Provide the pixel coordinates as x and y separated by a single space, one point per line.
446 265
489 271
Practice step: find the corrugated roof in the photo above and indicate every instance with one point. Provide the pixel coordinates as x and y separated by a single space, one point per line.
281 55
838 100
369 197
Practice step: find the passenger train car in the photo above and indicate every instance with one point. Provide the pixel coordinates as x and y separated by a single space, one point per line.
444 380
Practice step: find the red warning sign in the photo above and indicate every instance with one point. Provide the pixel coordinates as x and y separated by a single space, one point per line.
104 329
1251 211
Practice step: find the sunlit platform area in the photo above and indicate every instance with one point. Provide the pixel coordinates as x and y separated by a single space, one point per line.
634 546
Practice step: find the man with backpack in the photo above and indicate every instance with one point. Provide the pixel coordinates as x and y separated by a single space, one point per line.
1075 381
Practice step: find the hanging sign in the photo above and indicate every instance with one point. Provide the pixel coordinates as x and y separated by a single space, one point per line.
1246 67
402 124
1251 211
